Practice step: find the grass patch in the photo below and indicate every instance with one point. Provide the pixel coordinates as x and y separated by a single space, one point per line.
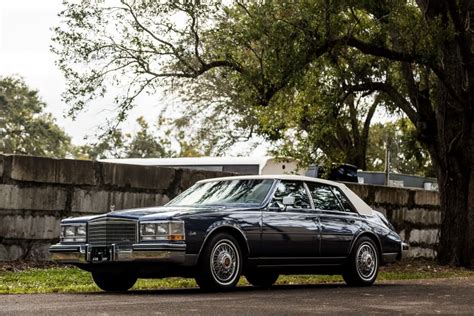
421 269
24 278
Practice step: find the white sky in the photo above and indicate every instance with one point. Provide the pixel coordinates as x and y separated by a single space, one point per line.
25 37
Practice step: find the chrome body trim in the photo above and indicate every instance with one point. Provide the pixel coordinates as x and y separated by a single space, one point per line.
405 249
81 254
105 231
73 253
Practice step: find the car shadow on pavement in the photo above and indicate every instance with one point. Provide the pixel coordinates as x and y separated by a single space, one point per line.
242 289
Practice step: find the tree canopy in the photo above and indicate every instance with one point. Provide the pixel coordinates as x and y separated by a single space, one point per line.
24 126
407 155
162 140
416 56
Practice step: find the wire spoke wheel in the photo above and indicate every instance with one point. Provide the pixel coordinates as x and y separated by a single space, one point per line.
363 263
366 261
220 264
224 262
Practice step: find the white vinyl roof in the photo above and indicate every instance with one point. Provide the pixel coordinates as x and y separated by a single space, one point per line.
361 207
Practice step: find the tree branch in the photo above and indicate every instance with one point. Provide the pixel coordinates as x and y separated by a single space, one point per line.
160 40
194 25
380 51
353 119
392 93
368 118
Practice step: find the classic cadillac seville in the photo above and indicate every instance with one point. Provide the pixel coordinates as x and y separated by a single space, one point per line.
220 229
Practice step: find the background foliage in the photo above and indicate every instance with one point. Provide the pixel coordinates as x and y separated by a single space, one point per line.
24 127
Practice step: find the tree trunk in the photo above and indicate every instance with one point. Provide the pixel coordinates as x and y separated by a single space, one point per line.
455 191
360 157
451 142
470 206
454 159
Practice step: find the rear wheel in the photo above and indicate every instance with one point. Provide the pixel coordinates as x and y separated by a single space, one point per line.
363 265
220 264
113 282
261 278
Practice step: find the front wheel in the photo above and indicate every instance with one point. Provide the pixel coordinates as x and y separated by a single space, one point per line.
363 265
220 264
114 282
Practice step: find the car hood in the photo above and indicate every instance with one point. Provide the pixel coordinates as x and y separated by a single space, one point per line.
154 213
163 212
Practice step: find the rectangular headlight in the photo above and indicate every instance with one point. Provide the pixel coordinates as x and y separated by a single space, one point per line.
162 230
73 232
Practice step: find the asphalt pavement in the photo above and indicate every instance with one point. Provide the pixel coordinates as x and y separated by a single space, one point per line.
436 296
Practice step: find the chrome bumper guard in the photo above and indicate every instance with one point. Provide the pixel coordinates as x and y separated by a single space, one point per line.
137 252
405 250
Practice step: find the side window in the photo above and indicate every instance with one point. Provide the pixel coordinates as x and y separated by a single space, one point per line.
323 197
292 188
345 202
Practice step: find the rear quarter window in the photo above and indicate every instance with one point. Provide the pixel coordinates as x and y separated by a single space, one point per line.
323 197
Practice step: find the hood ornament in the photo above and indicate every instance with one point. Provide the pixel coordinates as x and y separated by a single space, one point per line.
112 207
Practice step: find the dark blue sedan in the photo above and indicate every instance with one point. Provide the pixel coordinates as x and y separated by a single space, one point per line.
219 229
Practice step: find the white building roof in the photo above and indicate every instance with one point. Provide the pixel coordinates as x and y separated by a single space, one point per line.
265 164
188 161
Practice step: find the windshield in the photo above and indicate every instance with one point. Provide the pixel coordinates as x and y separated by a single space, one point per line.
225 192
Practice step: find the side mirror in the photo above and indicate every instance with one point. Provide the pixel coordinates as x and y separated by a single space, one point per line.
281 206
288 201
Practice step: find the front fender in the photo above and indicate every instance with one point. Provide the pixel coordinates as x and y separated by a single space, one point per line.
229 226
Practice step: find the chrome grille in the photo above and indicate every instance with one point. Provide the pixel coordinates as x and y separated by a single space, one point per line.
108 231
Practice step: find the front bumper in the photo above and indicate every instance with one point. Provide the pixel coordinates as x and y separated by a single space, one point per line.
84 253
405 250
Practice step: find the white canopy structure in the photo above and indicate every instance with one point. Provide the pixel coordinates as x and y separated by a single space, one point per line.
240 165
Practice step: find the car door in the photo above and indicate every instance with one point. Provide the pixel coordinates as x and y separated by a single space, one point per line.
292 231
338 224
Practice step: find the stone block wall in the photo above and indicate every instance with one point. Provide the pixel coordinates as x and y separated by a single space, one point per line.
415 213
35 193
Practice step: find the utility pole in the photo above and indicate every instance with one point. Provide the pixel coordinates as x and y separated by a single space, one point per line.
387 160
